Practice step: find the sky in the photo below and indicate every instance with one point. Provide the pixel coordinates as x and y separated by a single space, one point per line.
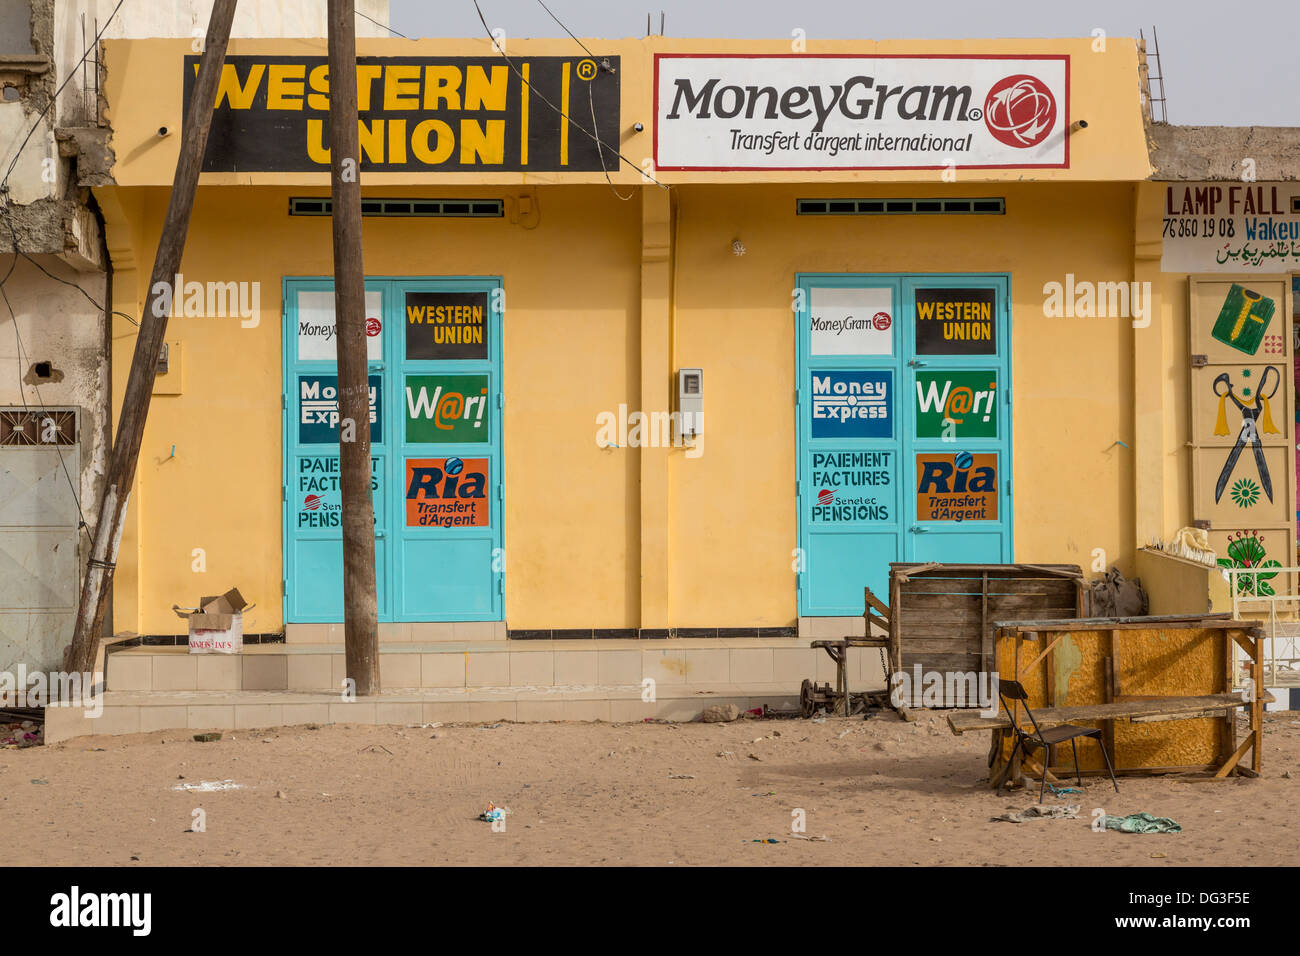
1219 69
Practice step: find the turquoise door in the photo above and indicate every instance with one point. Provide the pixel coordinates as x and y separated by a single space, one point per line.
903 429
434 347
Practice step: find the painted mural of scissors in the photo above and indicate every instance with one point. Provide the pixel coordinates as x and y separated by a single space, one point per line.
1249 434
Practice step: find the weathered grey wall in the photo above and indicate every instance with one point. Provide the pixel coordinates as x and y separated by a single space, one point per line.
1198 153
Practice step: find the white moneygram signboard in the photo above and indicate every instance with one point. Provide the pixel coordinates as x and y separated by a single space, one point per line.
860 112
851 321
1231 227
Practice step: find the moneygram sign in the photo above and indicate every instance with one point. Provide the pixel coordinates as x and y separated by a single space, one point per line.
846 112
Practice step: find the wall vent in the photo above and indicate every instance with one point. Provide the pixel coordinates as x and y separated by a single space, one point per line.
901 207
417 208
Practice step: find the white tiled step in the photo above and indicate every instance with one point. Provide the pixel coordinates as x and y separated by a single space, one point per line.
321 668
125 712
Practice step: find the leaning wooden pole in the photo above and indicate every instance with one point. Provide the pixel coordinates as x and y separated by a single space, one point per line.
80 655
360 601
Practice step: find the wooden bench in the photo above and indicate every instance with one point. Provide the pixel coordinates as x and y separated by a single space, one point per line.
1132 661
1138 711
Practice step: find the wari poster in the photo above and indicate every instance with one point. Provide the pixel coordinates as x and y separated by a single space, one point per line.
447 408
956 404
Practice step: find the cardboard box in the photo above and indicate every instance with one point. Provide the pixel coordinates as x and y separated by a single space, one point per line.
217 624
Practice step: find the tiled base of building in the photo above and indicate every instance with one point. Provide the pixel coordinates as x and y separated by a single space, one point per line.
155 688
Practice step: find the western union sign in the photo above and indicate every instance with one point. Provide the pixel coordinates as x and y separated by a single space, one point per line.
416 113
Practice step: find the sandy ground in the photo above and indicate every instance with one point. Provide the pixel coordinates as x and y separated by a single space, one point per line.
882 791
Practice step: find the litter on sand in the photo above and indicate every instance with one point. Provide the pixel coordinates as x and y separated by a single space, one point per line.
1036 812
1142 823
493 813
810 839
209 786
1062 791
207 738
20 734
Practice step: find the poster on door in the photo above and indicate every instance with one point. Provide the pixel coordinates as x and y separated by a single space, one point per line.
957 487
957 404
448 493
851 321
318 495
956 322
446 325
318 409
447 408
317 331
853 487
854 404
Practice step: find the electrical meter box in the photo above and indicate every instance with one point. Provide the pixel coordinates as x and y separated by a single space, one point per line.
690 400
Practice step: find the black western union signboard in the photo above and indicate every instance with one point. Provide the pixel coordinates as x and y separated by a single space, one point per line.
956 322
416 113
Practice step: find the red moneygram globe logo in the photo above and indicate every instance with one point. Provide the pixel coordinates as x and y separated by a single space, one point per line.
1020 111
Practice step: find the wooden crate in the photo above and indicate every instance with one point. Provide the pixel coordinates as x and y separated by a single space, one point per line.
943 616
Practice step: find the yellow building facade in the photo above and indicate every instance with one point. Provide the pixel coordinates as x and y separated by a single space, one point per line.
695 249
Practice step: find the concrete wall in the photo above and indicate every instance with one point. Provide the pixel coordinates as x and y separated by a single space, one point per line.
51 217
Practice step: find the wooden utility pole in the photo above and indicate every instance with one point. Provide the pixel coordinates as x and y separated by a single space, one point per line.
360 601
80 655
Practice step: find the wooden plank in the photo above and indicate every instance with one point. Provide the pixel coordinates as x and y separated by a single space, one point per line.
1257 705
1055 716
986 634
917 569
871 601
1237 754
1063 570
941 586
966 612
939 646
1222 621
1009 607
1053 587
1045 651
1161 718
941 662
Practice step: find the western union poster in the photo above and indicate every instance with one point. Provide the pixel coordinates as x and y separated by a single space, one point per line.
416 113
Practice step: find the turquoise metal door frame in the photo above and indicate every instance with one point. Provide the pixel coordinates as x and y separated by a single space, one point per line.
313 572
846 539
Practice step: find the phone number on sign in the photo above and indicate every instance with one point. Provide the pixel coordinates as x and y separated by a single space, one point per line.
1189 227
